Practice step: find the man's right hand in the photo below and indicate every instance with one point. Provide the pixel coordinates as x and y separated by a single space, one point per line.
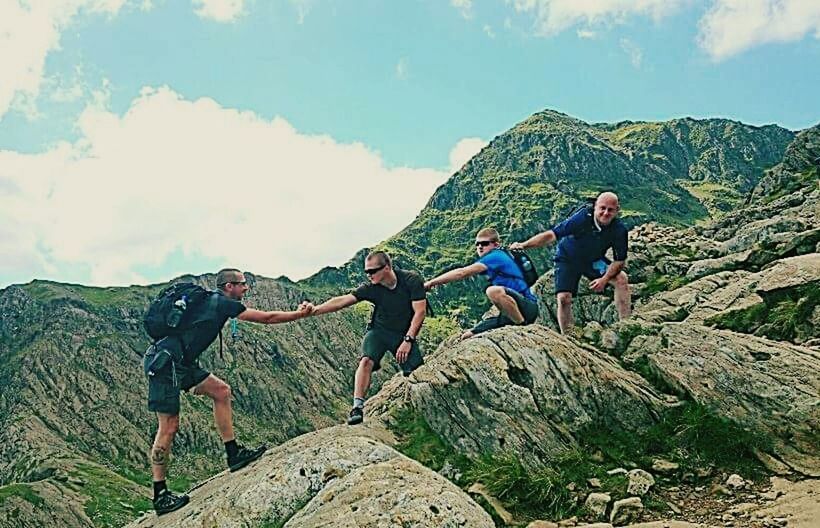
428 285
517 245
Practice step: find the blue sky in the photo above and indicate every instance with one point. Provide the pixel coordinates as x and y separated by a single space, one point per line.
299 131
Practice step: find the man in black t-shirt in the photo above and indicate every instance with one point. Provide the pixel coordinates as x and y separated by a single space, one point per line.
165 384
400 304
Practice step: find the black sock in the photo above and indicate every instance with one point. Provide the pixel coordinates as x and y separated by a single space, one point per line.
159 487
231 448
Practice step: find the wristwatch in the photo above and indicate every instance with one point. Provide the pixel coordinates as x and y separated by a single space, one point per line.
409 339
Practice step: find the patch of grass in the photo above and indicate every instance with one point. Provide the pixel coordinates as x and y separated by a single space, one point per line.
24 491
109 503
690 435
662 283
784 315
419 442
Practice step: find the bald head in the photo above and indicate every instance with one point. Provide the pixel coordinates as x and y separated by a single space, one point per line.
606 208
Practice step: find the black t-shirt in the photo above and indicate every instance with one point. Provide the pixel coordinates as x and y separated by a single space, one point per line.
208 330
394 309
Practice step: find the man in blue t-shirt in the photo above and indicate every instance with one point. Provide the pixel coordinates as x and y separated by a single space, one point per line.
584 238
507 291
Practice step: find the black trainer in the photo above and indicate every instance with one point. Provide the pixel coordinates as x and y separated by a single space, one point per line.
245 456
166 502
356 416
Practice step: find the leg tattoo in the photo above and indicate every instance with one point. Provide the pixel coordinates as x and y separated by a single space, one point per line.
160 456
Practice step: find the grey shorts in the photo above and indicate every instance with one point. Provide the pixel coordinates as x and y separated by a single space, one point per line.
165 385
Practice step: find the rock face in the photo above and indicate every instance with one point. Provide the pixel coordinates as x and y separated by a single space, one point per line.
765 386
524 390
339 476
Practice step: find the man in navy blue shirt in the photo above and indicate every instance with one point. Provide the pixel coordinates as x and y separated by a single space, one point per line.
507 291
584 238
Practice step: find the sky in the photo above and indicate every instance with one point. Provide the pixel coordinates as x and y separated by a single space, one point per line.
144 139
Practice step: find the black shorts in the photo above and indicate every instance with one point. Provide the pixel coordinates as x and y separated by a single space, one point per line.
165 385
377 341
568 274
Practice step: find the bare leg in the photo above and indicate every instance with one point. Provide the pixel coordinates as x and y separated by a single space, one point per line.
362 380
161 450
220 393
505 303
564 302
623 297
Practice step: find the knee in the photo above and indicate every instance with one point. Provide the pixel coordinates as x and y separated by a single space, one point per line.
495 292
564 299
622 280
222 392
366 364
169 426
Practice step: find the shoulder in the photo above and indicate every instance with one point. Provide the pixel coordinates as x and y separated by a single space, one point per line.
411 277
495 257
228 306
365 291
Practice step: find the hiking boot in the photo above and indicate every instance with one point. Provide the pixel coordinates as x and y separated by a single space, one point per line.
245 456
166 502
356 416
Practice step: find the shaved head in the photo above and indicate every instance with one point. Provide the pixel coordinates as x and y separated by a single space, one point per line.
606 208
607 196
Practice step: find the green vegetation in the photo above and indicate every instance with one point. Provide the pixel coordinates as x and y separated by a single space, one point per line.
112 499
660 283
24 491
690 435
784 315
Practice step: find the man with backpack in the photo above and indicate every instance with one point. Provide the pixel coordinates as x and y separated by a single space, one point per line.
399 307
584 238
191 318
509 290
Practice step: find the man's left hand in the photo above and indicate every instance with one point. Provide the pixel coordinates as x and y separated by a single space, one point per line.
598 285
403 351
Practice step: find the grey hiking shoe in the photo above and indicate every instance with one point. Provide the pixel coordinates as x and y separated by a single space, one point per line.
166 502
245 456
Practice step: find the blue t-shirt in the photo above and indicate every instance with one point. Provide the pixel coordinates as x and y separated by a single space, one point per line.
583 241
503 271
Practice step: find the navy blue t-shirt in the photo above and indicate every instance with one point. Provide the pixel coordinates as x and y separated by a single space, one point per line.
503 271
581 240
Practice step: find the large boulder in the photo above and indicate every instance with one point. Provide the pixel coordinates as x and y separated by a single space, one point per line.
339 476
765 386
526 390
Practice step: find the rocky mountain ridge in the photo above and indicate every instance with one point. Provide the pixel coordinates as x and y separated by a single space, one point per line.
492 411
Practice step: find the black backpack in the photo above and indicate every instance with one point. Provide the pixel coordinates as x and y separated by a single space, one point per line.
525 265
178 309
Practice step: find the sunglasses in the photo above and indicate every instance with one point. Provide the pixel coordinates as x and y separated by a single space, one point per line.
483 243
373 271
237 282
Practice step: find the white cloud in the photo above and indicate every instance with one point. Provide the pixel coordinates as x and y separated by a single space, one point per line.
554 16
463 151
585 34
219 10
465 7
732 26
28 32
175 175
633 50
489 31
401 69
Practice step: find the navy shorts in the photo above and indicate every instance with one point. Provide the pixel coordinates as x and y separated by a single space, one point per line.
568 274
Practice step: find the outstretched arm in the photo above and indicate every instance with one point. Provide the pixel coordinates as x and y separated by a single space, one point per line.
456 275
541 239
274 317
335 304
